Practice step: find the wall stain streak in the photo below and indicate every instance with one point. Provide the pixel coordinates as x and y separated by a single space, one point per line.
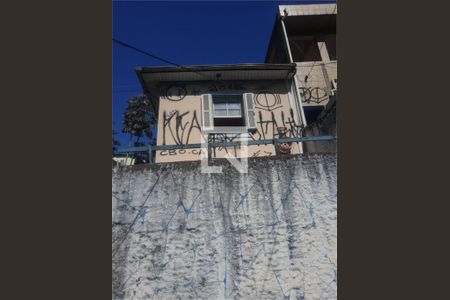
268 234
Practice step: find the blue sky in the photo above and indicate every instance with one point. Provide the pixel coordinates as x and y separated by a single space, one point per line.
186 32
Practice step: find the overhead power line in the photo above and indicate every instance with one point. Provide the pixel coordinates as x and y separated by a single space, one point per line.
161 59
165 60
145 52
154 56
124 44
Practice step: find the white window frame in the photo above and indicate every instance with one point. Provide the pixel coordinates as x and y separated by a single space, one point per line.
247 110
241 102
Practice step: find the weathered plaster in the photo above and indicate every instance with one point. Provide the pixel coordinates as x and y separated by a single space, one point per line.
268 234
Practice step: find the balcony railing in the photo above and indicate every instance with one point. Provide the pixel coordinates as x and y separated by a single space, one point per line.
209 146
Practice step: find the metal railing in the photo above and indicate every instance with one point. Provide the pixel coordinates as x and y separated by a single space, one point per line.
151 148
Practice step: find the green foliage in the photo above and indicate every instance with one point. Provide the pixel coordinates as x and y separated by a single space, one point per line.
138 118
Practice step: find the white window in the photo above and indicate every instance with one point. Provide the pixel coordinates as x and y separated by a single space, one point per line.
227 106
228 110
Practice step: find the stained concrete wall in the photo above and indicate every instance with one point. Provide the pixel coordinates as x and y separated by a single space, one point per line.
268 234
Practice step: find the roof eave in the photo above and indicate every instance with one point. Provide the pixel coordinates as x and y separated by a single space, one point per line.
200 68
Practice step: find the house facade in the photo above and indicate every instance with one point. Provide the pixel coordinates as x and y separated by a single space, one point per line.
293 94
258 100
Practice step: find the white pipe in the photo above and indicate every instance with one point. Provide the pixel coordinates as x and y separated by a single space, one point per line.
299 97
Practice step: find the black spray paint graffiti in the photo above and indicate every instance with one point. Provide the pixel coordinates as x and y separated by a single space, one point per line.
219 87
310 94
224 138
180 152
258 153
175 124
179 127
268 128
176 92
268 101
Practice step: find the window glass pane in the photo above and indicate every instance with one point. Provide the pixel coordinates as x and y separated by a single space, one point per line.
234 105
221 105
220 112
234 112
227 106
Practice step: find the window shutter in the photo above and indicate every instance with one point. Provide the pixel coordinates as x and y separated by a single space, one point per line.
249 111
207 113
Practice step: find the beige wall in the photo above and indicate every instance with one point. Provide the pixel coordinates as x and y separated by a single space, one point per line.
180 117
317 89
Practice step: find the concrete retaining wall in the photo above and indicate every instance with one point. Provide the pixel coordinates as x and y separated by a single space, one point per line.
268 234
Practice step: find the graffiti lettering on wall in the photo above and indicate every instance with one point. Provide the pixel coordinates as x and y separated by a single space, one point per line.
313 94
176 92
268 127
179 91
219 87
268 101
179 126
180 152
258 153
224 138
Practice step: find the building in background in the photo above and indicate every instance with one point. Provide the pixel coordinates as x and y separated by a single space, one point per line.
306 35
123 160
